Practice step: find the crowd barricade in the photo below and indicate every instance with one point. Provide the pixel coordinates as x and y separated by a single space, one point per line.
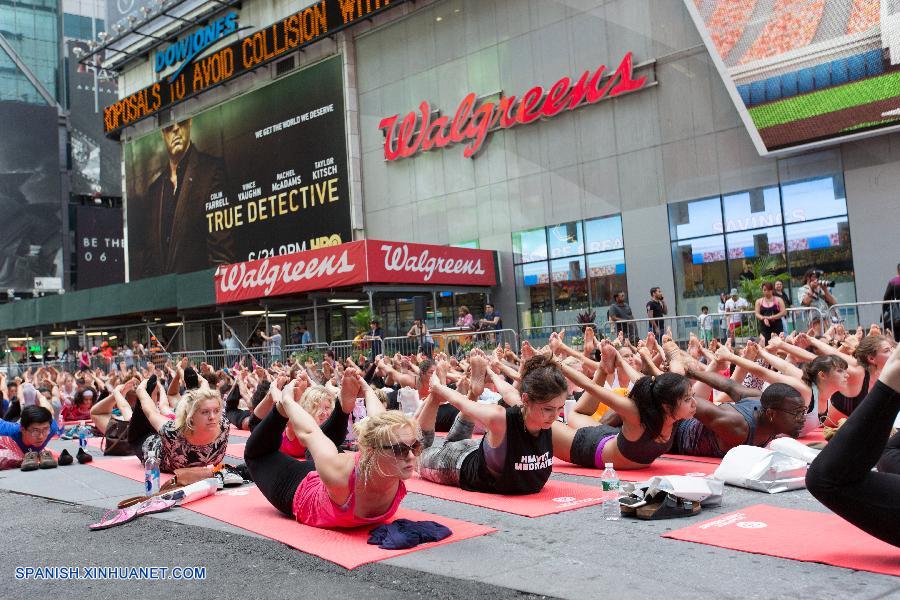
194 357
681 327
459 343
313 348
866 314
408 345
539 337
345 348
222 358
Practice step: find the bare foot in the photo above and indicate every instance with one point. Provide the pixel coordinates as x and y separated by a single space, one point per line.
607 357
349 390
463 386
479 369
527 351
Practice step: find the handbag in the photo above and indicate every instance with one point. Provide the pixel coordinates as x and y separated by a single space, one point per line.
115 440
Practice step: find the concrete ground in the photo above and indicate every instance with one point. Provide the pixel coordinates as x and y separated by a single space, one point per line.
574 554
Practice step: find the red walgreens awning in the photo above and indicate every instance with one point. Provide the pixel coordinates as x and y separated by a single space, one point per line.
354 263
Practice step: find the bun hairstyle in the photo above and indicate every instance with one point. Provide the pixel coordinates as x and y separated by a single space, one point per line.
867 349
381 430
821 364
542 379
652 394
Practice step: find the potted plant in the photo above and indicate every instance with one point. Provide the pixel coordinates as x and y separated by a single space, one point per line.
586 319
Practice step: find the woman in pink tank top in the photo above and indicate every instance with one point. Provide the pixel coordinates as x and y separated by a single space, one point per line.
334 489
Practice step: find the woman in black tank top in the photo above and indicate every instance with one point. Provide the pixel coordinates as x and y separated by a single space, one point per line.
769 311
515 456
648 416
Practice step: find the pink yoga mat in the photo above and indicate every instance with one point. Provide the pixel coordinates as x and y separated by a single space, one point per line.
817 435
556 497
235 450
247 508
238 432
796 534
703 459
659 467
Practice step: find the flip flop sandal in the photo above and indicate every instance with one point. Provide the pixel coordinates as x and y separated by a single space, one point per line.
154 505
670 507
112 518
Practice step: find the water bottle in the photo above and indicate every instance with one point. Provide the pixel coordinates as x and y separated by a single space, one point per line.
569 407
151 476
610 482
82 436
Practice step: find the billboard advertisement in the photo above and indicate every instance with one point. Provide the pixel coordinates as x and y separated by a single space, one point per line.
261 175
31 228
96 159
806 73
100 247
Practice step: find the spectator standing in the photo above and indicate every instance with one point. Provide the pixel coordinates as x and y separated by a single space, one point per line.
491 320
620 311
706 325
733 307
814 294
273 342
656 309
375 336
891 312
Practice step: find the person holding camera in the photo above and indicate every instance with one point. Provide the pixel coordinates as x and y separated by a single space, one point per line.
815 293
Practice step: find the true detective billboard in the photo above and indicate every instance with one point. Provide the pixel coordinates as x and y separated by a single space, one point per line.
30 203
806 73
100 248
96 160
260 175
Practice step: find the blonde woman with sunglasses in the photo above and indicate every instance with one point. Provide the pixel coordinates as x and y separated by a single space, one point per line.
332 489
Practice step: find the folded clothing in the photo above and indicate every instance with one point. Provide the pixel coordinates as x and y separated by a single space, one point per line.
404 533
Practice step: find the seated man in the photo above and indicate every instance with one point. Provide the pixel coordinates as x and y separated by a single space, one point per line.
23 444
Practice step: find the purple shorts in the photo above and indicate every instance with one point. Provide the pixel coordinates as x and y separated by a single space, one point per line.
598 454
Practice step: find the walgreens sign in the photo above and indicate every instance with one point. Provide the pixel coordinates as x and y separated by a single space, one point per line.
426 130
354 263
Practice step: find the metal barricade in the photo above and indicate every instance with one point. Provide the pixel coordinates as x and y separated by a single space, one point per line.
878 312
460 343
194 357
300 352
345 348
681 326
408 345
574 334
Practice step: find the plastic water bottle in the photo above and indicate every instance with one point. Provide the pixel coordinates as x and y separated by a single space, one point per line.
151 476
610 482
82 436
568 408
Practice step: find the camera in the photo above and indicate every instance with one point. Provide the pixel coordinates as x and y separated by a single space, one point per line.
820 275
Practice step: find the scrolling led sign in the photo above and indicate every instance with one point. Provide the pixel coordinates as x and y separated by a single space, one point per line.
296 31
472 123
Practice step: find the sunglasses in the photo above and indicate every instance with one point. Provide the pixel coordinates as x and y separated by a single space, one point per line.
401 450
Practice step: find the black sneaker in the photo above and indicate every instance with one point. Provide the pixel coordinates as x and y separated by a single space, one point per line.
83 457
65 459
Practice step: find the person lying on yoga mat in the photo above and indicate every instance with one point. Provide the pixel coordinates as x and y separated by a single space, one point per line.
121 398
515 455
333 489
196 439
319 403
862 368
648 415
753 418
841 476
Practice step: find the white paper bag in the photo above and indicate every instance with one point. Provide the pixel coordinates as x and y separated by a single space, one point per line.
761 469
795 449
706 491
408 399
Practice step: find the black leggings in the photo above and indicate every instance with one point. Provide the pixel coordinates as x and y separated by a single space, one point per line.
276 474
890 460
841 477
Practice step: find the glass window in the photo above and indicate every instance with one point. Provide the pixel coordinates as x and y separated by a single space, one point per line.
823 245
701 273
530 245
570 294
473 244
746 247
814 199
695 218
606 272
533 294
760 207
565 239
604 234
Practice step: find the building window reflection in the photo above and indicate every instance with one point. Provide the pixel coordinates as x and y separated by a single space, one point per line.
802 225
565 269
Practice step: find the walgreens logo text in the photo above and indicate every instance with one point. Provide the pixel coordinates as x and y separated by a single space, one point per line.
472 123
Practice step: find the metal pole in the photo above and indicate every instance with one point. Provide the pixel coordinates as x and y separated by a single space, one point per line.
43 352
184 333
434 308
316 320
371 306
222 321
268 331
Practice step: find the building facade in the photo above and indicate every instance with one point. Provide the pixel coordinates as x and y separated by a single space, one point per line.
652 182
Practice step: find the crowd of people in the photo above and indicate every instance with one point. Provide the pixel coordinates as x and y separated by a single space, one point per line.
333 441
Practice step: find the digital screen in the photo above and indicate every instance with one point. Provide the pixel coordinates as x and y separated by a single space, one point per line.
806 73
100 248
261 175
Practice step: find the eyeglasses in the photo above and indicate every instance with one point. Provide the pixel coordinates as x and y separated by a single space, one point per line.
401 450
797 414
44 431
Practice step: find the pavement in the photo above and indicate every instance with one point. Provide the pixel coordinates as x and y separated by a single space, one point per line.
575 554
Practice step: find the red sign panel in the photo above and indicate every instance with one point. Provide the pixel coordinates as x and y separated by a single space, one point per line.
324 268
402 262
473 122
366 261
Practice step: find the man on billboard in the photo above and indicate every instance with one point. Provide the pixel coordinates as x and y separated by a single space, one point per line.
174 238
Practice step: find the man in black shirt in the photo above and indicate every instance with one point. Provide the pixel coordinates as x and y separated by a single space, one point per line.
656 309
